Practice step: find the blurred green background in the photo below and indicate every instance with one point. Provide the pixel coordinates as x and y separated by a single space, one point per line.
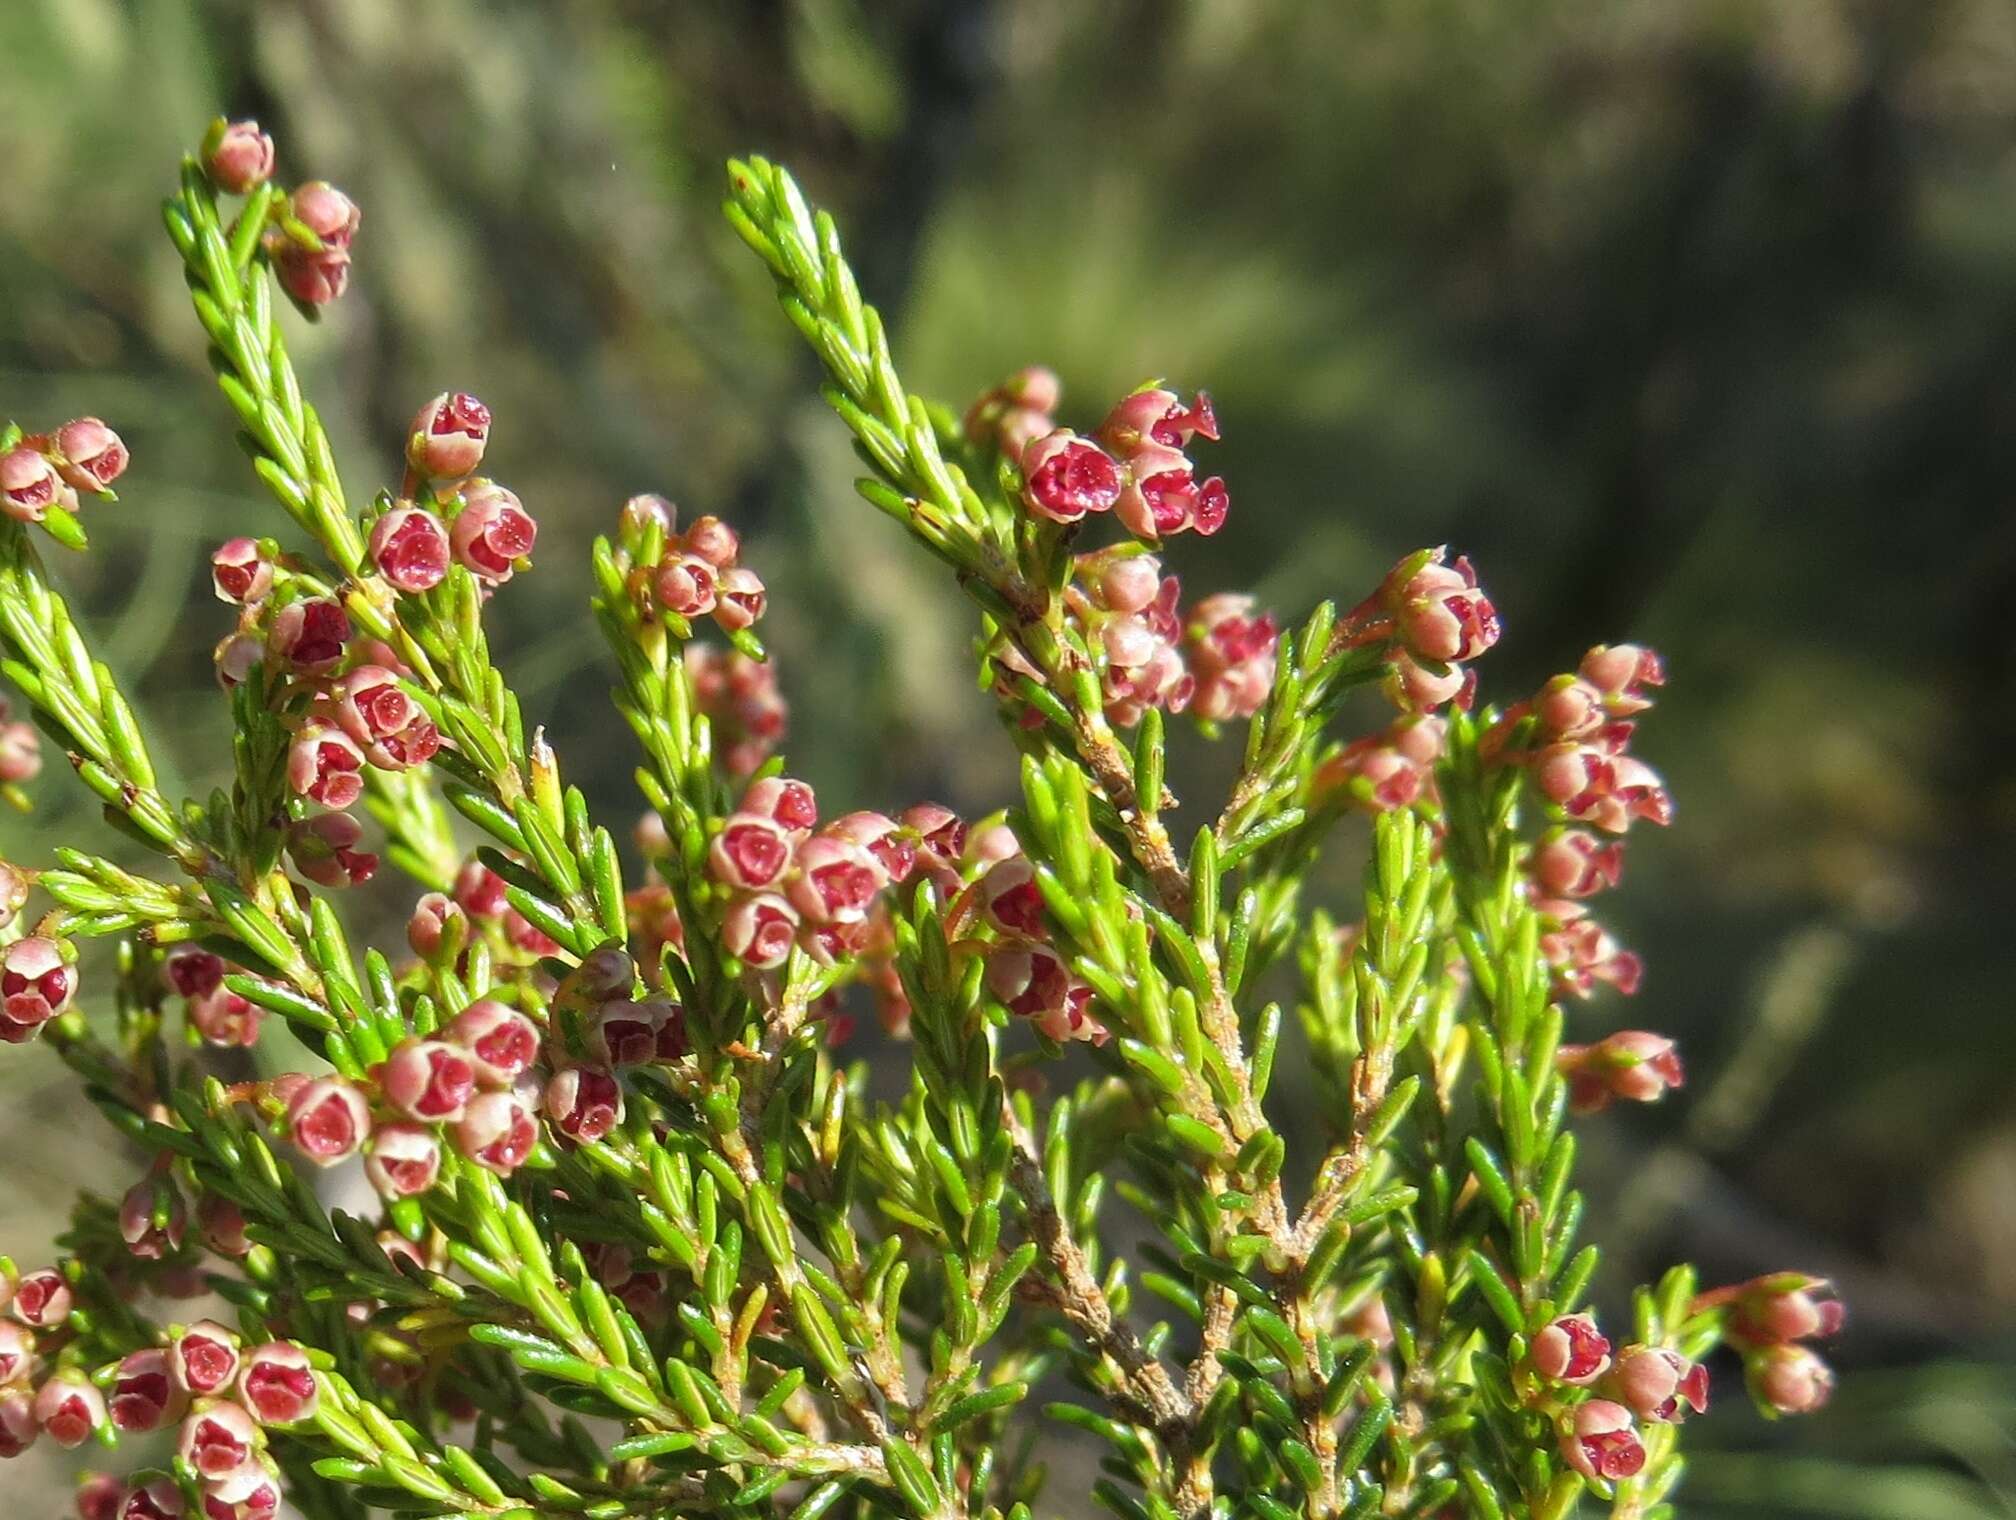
1694 324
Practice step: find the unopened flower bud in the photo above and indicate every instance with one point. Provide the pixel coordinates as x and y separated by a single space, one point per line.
41 1299
327 212
69 1409
479 891
17 1353
492 532
309 635
1571 1350
278 1386
410 549
428 1080
236 656
238 157
90 456
1788 1379
584 1102
325 765
1599 1441
13 893
1438 611
447 437
224 1019
314 279
605 972
646 512
497 1133
1129 583
20 753
428 929
714 541
1781 1306
1064 477
29 484
218 1437
328 1120
222 1225
203 1359
18 1429
98 1496
1621 672
759 930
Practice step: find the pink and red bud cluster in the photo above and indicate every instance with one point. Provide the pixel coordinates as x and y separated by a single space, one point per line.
1134 466
310 245
237 156
489 534
1387 770
1599 1436
472 1080
1231 655
694 574
47 470
1631 1064
1767 1319
792 882
740 697
1024 970
1432 617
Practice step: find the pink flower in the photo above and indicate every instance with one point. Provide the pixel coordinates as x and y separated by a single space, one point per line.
741 601
218 1438
1582 953
137 1227
1014 412
20 753
687 584
1601 786
787 801
17 1353
250 1493
1160 497
939 832
1064 477
492 532
447 437
497 1133
1129 583
328 1120
428 1080
144 1396
1574 863
1788 1379
1631 1064
882 837
759 930
479 891
314 279
751 851
1437 610
278 1385
18 1429
157 1499
1033 983
1781 1306
410 549
1231 655
240 572
1599 1441
836 880
309 635
29 485
98 1496
1158 417
402 1160
327 212
324 850
41 1299
713 540
35 982
224 1019
1659 1384
383 720
236 655
501 1043
90 455
69 1409
1571 1350
1620 673
222 1226
203 1359
325 765
428 929
584 1102
239 158
1011 899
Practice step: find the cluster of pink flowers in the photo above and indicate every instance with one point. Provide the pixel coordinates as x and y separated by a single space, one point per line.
1768 1319
1024 970
469 1081
1393 768
789 881
739 695
1599 1436
448 514
217 1014
694 574
1432 617
1134 465
47 470
307 234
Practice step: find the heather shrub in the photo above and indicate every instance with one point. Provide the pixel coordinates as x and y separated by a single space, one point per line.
645 1241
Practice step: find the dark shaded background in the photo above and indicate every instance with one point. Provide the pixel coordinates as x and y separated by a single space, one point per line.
1692 324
